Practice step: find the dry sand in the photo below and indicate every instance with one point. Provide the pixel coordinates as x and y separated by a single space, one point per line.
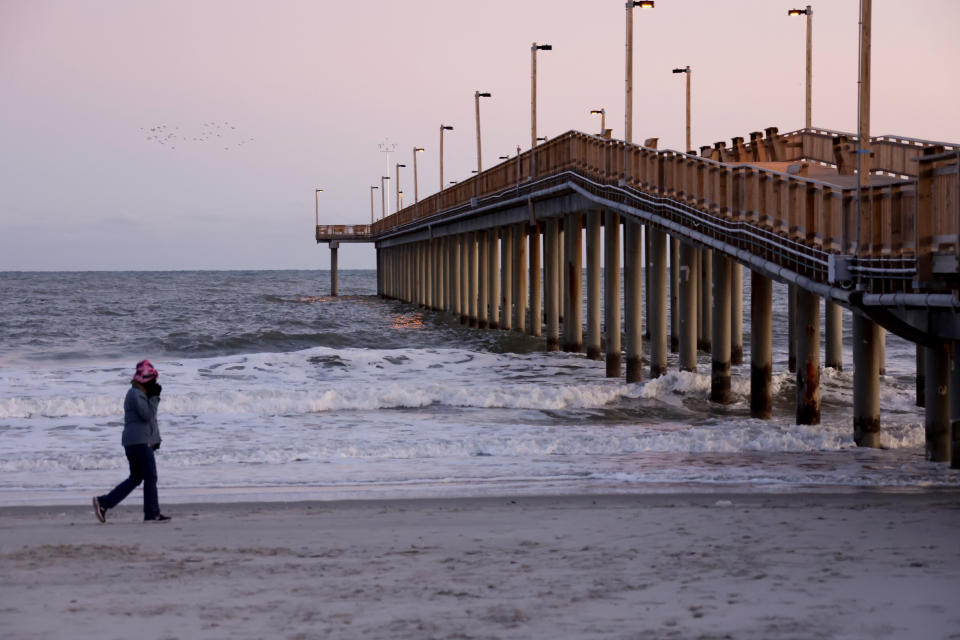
866 565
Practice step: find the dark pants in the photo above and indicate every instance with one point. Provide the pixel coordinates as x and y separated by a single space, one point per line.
143 468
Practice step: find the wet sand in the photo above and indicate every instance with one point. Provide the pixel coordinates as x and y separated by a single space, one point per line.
817 565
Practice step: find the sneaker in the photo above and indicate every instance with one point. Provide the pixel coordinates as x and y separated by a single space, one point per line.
99 511
160 518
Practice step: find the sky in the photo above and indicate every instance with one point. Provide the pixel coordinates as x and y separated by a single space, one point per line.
192 134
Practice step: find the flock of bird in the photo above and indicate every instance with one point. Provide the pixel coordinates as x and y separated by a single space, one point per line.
210 133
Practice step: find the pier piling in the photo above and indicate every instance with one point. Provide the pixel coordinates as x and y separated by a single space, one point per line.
611 290
551 281
720 338
866 382
334 288
736 313
573 315
674 293
519 278
937 420
657 296
689 274
493 279
808 357
761 346
833 336
536 297
506 278
594 351
632 294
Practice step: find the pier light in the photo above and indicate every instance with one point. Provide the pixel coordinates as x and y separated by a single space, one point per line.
443 127
399 166
542 139
808 12
383 195
416 188
686 70
628 82
316 205
476 102
504 157
533 91
603 118
372 188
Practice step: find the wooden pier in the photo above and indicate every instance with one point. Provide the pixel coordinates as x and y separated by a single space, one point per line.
502 249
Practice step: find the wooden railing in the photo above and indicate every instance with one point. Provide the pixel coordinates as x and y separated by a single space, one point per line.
346 232
815 213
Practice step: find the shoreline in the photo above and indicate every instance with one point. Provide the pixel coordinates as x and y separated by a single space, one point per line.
722 564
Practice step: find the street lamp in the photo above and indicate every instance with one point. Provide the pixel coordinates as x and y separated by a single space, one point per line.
476 100
603 118
443 128
371 202
316 206
628 115
808 12
416 190
398 184
687 71
533 89
383 195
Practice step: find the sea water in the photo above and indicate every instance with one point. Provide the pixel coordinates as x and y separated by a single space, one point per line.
273 390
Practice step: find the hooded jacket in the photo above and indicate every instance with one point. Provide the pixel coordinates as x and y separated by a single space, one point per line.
140 418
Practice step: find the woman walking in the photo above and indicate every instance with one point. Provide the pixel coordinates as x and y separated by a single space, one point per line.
141 437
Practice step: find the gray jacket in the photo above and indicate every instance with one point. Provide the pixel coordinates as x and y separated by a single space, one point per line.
140 418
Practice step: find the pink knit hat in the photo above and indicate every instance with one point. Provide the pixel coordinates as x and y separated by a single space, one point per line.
145 372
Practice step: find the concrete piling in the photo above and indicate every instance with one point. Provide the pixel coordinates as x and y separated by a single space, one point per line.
706 298
594 351
611 291
955 405
506 278
937 420
761 346
657 297
334 285
833 336
551 282
808 357
674 293
520 278
632 294
573 316
472 279
483 284
791 328
493 279
689 274
720 331
866 382
536 298
736 313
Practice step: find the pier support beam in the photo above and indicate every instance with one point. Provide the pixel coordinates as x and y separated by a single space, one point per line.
791 328
464 278
921 372
611 290
674 295
833 335
493 279
520 278
632 296
536 296
334 285
573 257
955 406
551 282
706 298
657 297
808 357
736 313
483 284
687 306
761 346
472 278
506 278
457 309
866 382
937 419
720 338
594 351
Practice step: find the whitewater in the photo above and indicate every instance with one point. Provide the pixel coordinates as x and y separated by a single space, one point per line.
275 391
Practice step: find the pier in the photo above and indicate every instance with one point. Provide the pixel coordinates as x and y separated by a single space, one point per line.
502 250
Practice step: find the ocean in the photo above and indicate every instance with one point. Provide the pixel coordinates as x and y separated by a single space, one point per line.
275 391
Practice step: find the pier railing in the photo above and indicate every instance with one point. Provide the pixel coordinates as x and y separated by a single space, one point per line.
910 218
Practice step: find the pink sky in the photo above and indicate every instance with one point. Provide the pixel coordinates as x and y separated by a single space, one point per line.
317 85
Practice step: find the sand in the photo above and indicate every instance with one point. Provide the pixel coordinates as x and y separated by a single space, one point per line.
818 565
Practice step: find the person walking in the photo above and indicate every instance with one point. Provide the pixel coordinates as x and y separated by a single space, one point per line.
141 437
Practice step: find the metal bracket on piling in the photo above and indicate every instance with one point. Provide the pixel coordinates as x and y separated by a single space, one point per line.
838 268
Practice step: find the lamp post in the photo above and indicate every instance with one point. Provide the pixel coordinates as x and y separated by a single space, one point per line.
383 196
371 202
687 71
443 128
533 89
628 107
476 101
808 12
316 205
398 184
603 118
416 189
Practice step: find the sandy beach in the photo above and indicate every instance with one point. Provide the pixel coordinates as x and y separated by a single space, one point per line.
816 565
